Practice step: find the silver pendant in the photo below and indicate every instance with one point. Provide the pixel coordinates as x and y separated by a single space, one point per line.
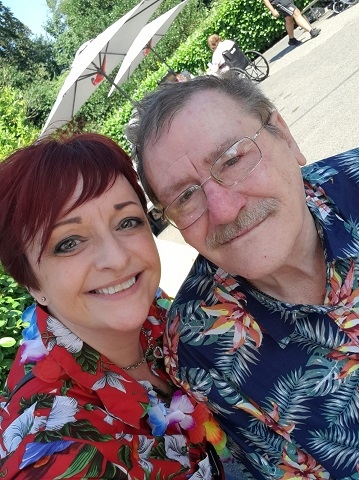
157 352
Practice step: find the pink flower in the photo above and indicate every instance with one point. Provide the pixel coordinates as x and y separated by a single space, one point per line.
179 412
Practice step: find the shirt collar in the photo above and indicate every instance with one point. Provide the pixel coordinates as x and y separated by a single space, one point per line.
120 395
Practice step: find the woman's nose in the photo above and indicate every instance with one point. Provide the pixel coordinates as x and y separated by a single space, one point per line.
223 202
111 253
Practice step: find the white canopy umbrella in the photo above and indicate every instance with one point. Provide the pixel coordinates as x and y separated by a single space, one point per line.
94 61
148 37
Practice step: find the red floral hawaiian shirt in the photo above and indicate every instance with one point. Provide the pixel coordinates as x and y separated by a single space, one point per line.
68 412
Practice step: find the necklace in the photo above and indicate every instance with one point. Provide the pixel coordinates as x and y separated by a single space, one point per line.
157 352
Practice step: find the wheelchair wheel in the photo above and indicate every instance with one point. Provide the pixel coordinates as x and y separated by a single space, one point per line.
241 73
258 67
339 7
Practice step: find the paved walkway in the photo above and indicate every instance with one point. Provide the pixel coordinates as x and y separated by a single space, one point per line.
316 86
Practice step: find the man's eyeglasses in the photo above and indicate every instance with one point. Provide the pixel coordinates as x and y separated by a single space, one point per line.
233 166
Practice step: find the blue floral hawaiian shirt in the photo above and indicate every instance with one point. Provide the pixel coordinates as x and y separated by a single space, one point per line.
283 379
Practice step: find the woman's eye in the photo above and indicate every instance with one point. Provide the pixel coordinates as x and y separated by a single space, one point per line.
129 223
67 245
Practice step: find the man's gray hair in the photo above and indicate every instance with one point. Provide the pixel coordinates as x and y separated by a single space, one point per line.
158 108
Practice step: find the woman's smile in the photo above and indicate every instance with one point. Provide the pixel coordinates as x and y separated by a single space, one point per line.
101 265
115 288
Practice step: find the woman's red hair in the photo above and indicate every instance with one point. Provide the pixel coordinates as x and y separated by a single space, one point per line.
37 181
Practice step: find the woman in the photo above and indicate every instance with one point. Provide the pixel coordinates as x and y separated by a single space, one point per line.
226 55
218 46
87 395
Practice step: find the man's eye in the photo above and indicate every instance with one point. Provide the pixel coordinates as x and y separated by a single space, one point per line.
185 197
67 245
232 161
129 223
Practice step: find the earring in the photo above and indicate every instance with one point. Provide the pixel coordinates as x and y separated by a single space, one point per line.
43 299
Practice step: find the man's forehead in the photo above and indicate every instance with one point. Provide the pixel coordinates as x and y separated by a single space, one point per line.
183 170
194 138
201 107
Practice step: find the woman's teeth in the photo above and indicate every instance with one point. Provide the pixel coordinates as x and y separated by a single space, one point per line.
116 288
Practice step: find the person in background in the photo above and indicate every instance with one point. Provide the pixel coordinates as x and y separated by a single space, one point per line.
291 14
218 47
87 395
170 76
266 324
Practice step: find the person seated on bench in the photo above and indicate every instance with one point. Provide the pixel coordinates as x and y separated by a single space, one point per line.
226 55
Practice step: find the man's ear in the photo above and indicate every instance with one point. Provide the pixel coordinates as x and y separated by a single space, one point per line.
277 120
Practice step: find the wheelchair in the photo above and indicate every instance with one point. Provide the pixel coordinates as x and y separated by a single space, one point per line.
250 63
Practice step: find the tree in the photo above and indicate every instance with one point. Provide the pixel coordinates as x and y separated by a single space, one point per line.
21 50
74 22
15 41
15 131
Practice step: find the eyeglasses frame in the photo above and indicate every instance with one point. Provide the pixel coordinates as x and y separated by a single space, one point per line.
218 180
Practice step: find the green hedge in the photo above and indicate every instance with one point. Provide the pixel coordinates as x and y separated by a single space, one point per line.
13 301
15 130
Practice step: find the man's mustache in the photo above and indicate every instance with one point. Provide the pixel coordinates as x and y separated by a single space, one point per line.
245 219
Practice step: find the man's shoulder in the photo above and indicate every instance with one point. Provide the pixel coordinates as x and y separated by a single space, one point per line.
204 285
341 167
332 195
198 284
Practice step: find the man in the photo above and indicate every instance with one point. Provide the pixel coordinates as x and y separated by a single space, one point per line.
291 13
265 327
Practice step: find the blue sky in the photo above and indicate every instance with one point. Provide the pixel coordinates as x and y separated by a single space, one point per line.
32 13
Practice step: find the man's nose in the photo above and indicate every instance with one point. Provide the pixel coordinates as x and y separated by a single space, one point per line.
223 202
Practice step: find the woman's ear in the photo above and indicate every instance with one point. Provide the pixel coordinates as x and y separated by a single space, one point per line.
38 296
277 120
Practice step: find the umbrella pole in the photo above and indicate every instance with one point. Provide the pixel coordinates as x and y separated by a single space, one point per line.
160 59
101 72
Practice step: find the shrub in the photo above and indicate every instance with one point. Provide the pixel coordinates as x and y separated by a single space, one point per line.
15 130
13 301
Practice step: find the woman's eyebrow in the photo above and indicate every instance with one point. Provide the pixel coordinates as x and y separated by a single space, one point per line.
120 206
67 221
78 220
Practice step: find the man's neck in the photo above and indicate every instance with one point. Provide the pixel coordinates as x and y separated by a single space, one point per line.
302 281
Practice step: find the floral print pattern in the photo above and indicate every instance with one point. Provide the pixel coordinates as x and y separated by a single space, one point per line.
282 379
80 416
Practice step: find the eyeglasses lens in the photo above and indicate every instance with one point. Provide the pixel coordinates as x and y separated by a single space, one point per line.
187 208
234 165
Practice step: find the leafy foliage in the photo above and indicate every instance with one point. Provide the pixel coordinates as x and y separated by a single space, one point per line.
21 50
15 130
15 42
13 301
